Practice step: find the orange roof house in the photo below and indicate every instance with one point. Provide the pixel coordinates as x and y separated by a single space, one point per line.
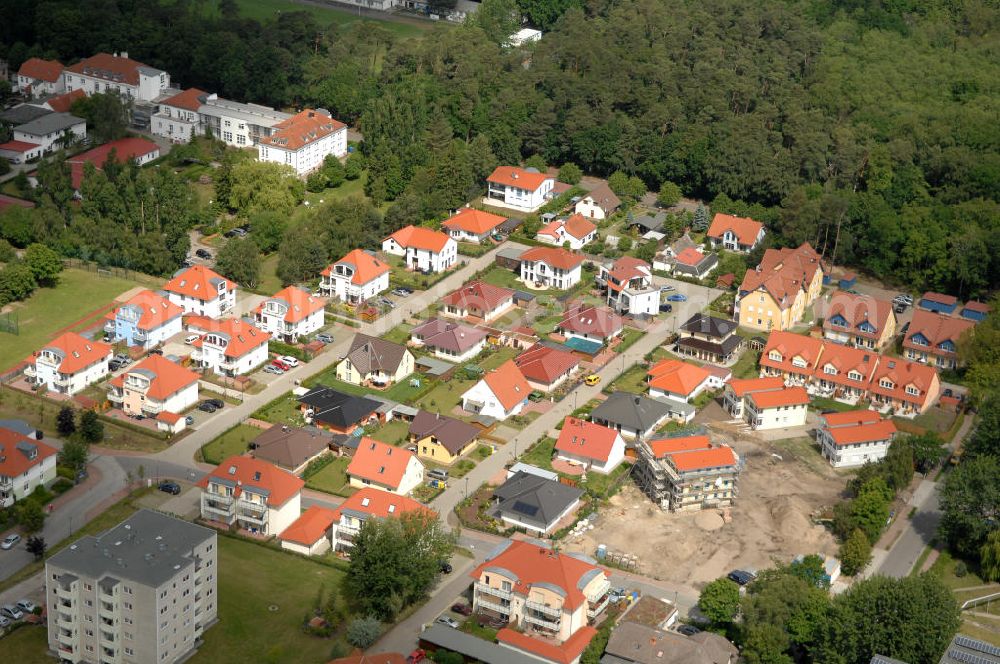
789 396
191 99
501 393
469 223
300 130
845 370
243 473
905 386
62 103
546 367
600 448
775 294
124 150
310 533
735 233
478 299
163 379
378 504
688 472
19 455
113 68
201 291
41 70
553 257
855 437
419 237
69 363
367 268
859 319
676 379
933 338
149 311
512 176
743 386
299 304
790 355
576 230
384 466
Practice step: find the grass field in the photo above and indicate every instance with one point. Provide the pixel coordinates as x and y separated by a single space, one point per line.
49 310
394 432
332 478
283 410
230 443
265 9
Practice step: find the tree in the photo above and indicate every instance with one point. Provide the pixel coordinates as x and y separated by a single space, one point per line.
989 557
927 450
531 225
7 252
765 644
354 165
499 19
36 546
811 570
595 649
855 553
239 260
334 171
570 173
258 186
91 427
790 598
317 182
362 632
544 13
106 114
970 502
16 283
537 162
395 561
647 251
44 264
701 220
300 256
268 229
670 194
30 515
720 601
869 510
66 421
624 244
618 182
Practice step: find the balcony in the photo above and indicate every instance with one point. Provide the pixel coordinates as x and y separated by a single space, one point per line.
554 611
493 606
67 637
64 620
6 484
594 610
482 588
115 396
540 620
107 637
109 327
107 613
215 505
139 335
29 371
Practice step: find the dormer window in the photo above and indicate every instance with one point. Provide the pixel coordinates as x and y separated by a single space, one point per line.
912 391
887 384
830 369
774 355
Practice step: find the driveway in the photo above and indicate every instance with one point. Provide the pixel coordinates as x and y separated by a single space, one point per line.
698 298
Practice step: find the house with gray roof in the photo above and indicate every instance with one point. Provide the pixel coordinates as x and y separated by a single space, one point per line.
291 448
534 503
375 362
632 643
710 339
22 114
637 416
336 411
52 131
451 341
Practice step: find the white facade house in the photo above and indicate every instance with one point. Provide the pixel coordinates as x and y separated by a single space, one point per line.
776 409
574 232
201 291
854 438
25 463
251 494
236 124
518 188
20 152
551 268
177 118
385 467
499 394
422 249
629 287
52 131
304 141
107 72
598 204
69 364
355 278
291 314
231 347
596 448
365 504
40 78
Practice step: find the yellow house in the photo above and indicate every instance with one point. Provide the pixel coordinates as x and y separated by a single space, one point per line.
376 362
775 294
442 439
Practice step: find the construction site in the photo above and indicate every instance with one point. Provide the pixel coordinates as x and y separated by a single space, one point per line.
783 490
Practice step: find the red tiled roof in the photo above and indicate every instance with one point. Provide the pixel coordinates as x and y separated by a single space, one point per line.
845 359
9 201
568 651
300 303
544 364
586 439
790 396
625 269
690 256
937 329
745 229
78 352
366 267
198 282
248 472
902 373
472 221
243 337
43 70
508 384
576 226
676 376
940 298
725 280
168 417
512 176
124 149
190 99
863 433
713 457
851 418
18 146
14 461
154 309
62 103
665 446
379 504
311 526
478 295
591 320
108 67
379 462
741 386
856 309
166 380
553 256
981 307
790 346
358 657
782 273
301 129
419 237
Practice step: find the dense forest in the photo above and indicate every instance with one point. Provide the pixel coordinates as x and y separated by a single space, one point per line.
866 127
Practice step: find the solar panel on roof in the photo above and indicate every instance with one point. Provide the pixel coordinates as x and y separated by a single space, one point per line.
524 508
975 644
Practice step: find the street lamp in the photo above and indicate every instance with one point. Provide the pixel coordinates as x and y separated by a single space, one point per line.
466 487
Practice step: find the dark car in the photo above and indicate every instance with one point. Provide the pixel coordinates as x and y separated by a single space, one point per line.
740 576
462 609
666 308
218 403
688 630
206 407
203 253
446 567
170 487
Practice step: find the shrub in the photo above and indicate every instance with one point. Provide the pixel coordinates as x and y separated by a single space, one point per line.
961 569
362 632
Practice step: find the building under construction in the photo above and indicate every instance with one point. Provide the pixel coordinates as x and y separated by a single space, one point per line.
688 472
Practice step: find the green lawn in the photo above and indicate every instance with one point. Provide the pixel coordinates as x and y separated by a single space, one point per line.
325 15
28 645
445 396
499 276
629 337
48 310
230 443
269 282
633 380
394 432
540 454
746 366
283 410
399 334
823 403
332 478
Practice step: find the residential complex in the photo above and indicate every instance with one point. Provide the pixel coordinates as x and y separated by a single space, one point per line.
854 438
147 319
251 494
291 314
859 320
304 140
177 117
775 295
237 124
154 386
688 472
118 73
38 77
51 132
932 338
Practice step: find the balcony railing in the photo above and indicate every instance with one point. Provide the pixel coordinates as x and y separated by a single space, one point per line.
595 610
6 484
544 608
109 327
600 591
541 620
493 606
139 335
489 590
115 396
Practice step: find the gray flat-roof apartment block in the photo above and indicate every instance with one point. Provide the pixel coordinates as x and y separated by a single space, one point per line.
142 592
235 123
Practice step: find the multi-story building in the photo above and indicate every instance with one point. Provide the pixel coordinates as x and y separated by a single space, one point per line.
230 347
478 301
740 234
304 140
932 338
688 472
177 117
376 362
555 597
291 314
776 409
143 591
859 320
25 463
385 467
69 363
201 291
775 294
251 494
471 225
629 286
422 249
38 77
709 339
575 231
596 448
794 357
844 373
146 320
153 386
355 278
523 189
905 387
854 438
364 505
105 72
52 131
236 124
737 389
550 267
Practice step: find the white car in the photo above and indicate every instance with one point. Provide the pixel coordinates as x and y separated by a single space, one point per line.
9 541
11 612
25 605
289 360
666 289
191 338
448 621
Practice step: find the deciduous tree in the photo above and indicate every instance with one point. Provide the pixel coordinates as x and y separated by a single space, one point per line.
66 421
239 260
720 601
91 427
855 553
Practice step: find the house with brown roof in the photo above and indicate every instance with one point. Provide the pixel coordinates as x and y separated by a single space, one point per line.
710 339
382 466
596 448
550 267
499 394
106 72
573 232
472 225
591 324
291 448
304 140
366 504
599 203
422 249
688 472
177 118
201 291
449 340
357 277
69 363
25 463
740 234
478 301
146 320
546 367
854 438
153 386
440 438
38 77
376 362
523 189
251 494
908 388
291 314
858 320
932 338
775 295
230 347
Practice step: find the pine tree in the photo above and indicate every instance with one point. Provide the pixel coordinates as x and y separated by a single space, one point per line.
700 218
66 421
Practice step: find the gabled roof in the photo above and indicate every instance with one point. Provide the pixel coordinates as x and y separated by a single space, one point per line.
936 329
604 198
661 447
790 346
366 267
847 359
256 476
745 229
544 364
153 310
640 644
302 129
311 526
299 303
690 256
534 499
473 222
850 418
379 504
586 439
447 335
77 352
789 396
478 295
742 386
902 373
676 376
42 70
419 237
18 453
190 99
62 103
454 435
625 269
521 178
165 378
290 447
692 453
369 354
590 320
576 225
110 68
568 651
858 426
855 310
783 273
337 408
241 336
632 411
940 298
49 123
380 462
508 384
553 256
124 148
199 282
712 326
9 201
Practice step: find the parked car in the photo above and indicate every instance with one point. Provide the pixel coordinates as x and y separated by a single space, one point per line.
191 338
124 359
218 403
387 302
325 338
536 396
271 369
903 298
114 365
462 609
416 656
741 577
402 292
688 630
281 365
189 420
666 308
172 488
9 541
289 360
4 622
203 253
26 605
448 621
11 611
206 407
156 351
592 379
446 567
677 297
438 473
666 289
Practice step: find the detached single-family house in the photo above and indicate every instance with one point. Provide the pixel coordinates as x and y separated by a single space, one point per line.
471 225
710 339
251 494
533 502
38 77
291 314
201 291
776 409
591 324
575 231
69 363
336 411
546 367
854 438
693 263
688 472
677 380
448 340
636 416
230 347
499 394
596 448
383 466
177 118
932 338
376 362
422 249
20 152
634 643
25 463
51 131
440 438
859 320
908 388
291 448
355 278
599 204
735 233
154 386
775 295
478 301
738 388
304 140
146 320
523 189
549 267
368 503
312 533
629 287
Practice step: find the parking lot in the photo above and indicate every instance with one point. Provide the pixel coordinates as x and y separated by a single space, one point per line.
697 298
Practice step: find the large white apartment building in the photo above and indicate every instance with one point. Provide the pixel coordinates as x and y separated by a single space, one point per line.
355 278
201 291
106 72
304 140
178 117
237 124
